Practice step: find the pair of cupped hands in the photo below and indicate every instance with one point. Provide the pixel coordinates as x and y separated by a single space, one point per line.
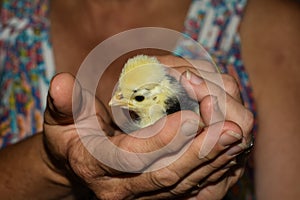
190 156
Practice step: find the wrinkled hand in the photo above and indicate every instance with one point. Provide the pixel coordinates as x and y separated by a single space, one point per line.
176 148
220 100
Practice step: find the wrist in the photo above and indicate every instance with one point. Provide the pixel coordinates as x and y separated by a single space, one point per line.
55 170
60 174
27 173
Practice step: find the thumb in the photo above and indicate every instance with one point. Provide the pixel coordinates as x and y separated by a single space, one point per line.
59 101
152 147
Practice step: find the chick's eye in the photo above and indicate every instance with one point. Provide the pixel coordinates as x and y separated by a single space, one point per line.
139 98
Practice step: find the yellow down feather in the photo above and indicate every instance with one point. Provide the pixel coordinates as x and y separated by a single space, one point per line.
145 89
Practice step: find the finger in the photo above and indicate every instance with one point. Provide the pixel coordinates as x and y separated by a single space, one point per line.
203 65
67 99
59 100
210 113
204 69
215 166
199 153
224 81
185 164
196 76
66 118
218 173
218 190
175 61
231 108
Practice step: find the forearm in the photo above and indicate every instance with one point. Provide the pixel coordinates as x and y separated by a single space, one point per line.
25 173
277 164
270 36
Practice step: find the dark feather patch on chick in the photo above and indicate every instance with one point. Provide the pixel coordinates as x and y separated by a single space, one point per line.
181 101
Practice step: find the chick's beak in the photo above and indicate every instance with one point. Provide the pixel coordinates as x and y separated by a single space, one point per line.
118 100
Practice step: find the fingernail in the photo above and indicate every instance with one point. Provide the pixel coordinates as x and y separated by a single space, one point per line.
194 79
235 150
230 164
229 137
215 103
201 125
188 75
190 127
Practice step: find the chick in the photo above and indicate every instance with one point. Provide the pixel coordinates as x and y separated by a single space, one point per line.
149 93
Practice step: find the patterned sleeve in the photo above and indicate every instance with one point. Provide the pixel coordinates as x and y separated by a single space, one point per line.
26 66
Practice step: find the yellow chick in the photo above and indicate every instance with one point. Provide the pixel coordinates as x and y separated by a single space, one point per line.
148 92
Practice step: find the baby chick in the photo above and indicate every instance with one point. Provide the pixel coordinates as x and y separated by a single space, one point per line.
149 93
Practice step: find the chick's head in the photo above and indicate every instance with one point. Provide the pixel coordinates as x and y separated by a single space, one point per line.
143 89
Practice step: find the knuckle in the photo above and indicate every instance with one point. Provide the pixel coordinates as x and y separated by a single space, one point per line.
213 166
231 85
213 194
248 122
183 188
233 176
165 178
216 176
163 141
219 162
113 195
110 188
80 163
129 162
167 60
